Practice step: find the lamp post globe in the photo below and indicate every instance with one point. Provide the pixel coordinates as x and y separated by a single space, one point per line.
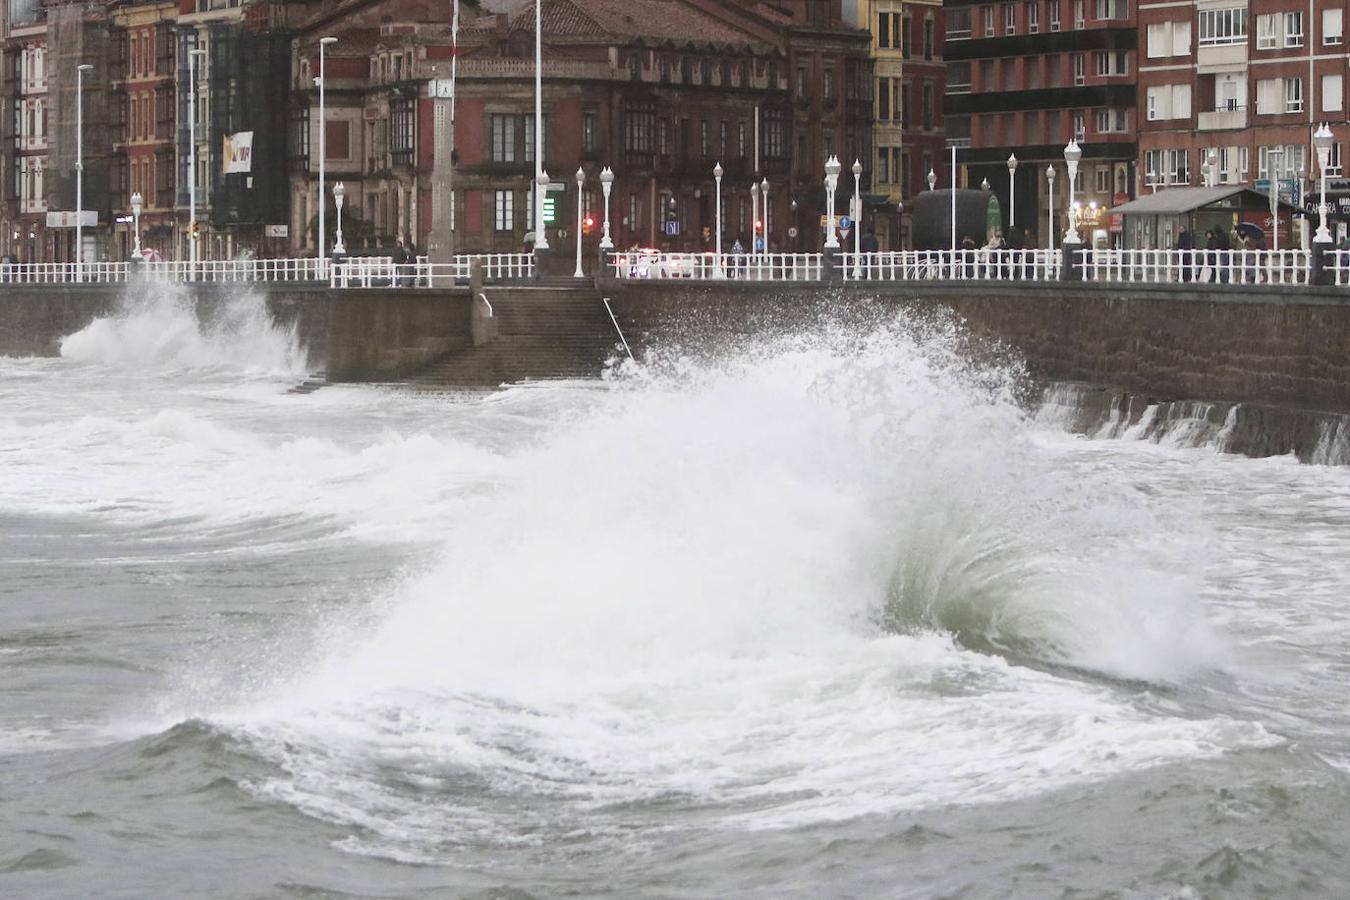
717 215
932 180
581 181
339 194
1072 154
1050 204
857 218
606 184
136 202
1322 140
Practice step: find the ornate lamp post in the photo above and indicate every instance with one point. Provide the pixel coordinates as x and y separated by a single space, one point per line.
581 181
339 194
540 189
764 195
323 145
754 216
192 159
79 168
900 223
832 168
717 215
1012 191
606 183
1322 140
541 177
1072 154
932 180
1050 205
136 201
857 218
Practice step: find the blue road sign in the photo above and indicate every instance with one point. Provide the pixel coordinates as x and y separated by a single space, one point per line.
672 228
845 222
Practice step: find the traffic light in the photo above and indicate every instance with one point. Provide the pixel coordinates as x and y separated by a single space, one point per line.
588 225
759 226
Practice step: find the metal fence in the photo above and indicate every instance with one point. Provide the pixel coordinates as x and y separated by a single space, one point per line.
740 266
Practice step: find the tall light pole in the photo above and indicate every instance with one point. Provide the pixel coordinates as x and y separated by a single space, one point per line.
1322 140
953 186
1274 181
193 54
1072 154
540 176
79 169
581 181
1012 191
717 247
857 218
339 192
606 183
1050 204
832 168
136 201
754 216
764 196
323 143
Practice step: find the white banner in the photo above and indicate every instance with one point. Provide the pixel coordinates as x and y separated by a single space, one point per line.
238 155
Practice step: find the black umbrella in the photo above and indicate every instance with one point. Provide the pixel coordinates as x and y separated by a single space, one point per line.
1250 230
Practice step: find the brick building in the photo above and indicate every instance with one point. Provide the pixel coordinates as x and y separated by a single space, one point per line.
24 128
1249 82
1027 76
659 94
908 135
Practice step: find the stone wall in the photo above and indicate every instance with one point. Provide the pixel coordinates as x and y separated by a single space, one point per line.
1282 346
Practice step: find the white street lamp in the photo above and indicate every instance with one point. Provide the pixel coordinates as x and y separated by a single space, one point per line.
339 193
581 181
1072 154
540 176
832 168
717 247
606 183
857 218
1050 206
1213 159
1012 191
136 201
192 159
79 169
932 180
1322 140
1275 170
984 184
323 143
764 195
754 217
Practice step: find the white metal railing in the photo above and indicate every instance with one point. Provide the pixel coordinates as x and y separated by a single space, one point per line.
382 271
743 266
1197 266
958 265
62 273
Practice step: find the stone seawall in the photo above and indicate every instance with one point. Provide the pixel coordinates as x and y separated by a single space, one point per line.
355 335
1284 346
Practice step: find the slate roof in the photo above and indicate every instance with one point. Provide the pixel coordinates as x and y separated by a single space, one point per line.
656 20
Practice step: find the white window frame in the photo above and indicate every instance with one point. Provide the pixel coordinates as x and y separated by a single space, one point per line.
1333 93
1034 16
1009 18
1079 68
1054 15
1223 27
1293 95
504 210
1267 31
1079 16
1333 33
1293 29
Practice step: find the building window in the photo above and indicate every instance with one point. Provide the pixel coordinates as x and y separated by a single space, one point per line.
503 138
635 67
801 82
1009 19
1034 16
988 21
1079 17
1334 160
1103 179
1333 95
958 23
740 140
1293 29
829 85
1219 27
1054 15
1293 95
638 125
1079 126
703 138
1112 62
958 79
504 217
884 30
722 140
1112 9
775 134
1110 121
1331 27
588 132
928 104
927 37
883 99
1268 31
1079 75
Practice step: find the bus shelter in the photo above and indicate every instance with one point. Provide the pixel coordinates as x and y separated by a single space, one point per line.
1154 221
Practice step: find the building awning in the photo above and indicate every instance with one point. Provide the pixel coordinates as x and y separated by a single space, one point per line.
1175 201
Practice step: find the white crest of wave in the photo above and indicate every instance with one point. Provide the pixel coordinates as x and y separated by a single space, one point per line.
693 587
161 326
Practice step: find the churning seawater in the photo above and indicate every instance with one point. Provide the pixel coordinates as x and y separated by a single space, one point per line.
829 617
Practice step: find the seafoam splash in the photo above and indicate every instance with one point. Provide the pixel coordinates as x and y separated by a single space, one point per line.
750 584
160 326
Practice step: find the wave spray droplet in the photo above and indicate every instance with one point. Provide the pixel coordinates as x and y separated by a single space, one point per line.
160 326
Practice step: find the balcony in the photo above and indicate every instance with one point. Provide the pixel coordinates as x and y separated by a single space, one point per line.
1215 58
1222 119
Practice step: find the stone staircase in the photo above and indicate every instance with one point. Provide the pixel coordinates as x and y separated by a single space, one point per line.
555 328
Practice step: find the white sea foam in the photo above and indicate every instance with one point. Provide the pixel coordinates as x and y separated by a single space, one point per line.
687 590
160 326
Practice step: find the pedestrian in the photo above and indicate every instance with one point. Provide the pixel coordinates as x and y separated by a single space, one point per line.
1186 250
1212 254
400 260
